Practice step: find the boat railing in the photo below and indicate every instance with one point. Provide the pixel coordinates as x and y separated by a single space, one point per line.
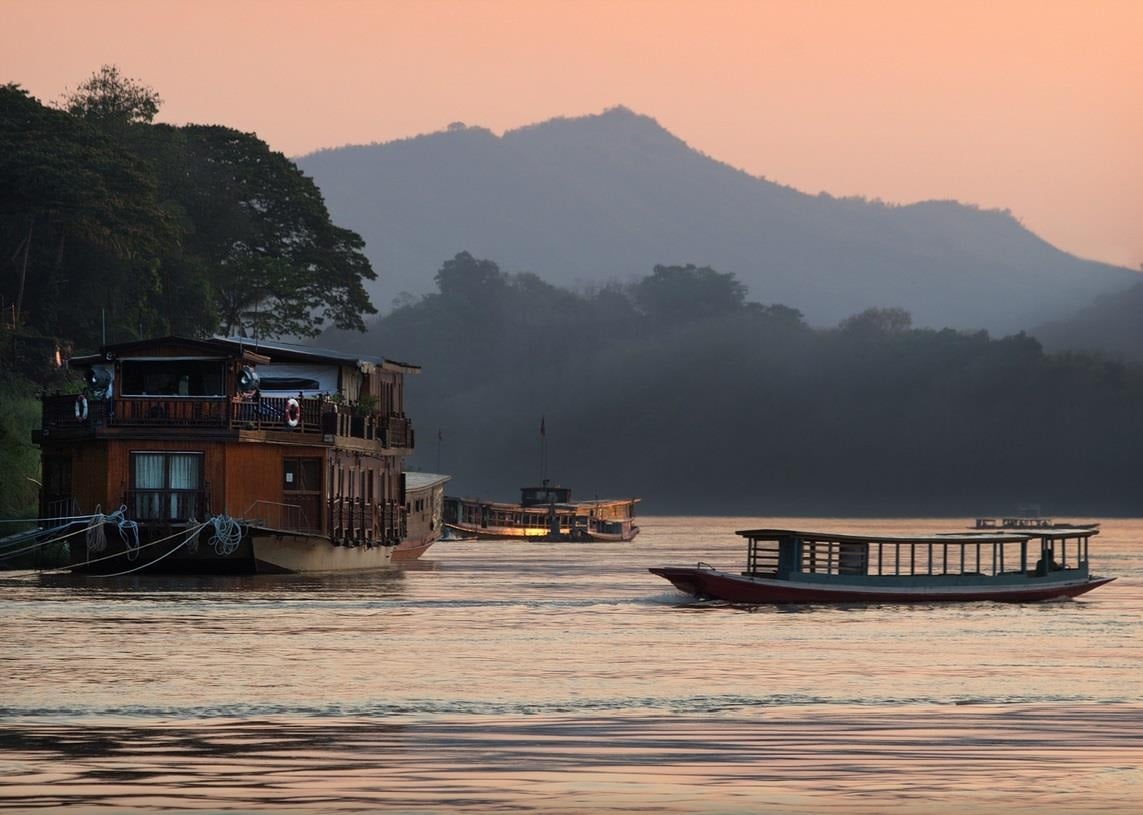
355 521
167 504
277 515
60 509
71 414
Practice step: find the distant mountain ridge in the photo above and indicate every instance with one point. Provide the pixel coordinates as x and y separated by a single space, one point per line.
589 200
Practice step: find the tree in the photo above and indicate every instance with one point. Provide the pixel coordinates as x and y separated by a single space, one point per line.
874 322
79 218
471 282
108 97
688 293
274 262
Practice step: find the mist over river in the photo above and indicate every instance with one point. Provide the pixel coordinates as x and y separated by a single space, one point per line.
497 676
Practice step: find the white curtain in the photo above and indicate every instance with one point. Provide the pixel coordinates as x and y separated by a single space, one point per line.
162 472
184 475
149 475
185 471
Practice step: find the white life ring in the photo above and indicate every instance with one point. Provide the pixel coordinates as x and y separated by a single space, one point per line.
293 412
81 408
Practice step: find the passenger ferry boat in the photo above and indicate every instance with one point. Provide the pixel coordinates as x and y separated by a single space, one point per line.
228 455
793 566
546 512
424 507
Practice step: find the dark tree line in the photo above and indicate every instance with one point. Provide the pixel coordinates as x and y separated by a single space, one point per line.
108 219
678 389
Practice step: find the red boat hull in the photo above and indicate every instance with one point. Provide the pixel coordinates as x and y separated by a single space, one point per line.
711 583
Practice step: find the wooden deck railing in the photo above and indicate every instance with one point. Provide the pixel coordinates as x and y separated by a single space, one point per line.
352 519
314 416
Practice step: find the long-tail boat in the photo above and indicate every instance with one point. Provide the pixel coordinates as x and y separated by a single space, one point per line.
794 566
228 455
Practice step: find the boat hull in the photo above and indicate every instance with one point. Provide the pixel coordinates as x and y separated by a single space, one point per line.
163 549
604 537
712 583
410 549
465 532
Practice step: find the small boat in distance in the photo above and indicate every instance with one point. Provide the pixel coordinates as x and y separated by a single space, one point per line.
1028 516
546 512
1028 522
793 566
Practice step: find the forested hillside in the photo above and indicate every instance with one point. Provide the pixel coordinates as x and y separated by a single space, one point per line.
680 389
599 199
113 227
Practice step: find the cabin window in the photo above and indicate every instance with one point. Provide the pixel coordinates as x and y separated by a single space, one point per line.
166 486
174 377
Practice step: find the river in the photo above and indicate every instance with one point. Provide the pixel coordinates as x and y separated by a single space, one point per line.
505 677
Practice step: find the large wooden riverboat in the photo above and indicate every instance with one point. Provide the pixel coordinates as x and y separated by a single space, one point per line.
792 566
228 455
546 512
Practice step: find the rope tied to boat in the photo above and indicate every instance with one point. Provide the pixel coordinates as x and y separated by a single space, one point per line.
227 535
96 537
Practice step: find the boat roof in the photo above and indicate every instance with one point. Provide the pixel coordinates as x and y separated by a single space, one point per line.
955 537
420 481
258 351
283 351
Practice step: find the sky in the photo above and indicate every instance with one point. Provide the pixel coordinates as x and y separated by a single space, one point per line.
1035 106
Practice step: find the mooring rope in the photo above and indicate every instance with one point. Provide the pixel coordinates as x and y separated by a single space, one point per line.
128 532
55 519
192 532
227 535
41 544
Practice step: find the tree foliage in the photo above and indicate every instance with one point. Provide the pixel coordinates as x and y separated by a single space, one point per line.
110 221
688 293
108 97
742 408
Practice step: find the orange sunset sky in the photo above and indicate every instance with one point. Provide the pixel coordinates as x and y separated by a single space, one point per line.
1031 105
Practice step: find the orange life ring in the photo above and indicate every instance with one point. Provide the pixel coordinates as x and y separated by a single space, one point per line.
293 412
81 408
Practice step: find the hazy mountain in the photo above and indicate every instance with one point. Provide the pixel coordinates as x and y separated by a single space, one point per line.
1112 325
603 198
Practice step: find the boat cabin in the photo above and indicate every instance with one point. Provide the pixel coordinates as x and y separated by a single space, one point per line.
787 553
544 495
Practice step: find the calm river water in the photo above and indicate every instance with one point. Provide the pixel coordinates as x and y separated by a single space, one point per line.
564 678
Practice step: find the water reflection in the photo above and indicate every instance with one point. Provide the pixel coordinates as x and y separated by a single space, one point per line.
793 760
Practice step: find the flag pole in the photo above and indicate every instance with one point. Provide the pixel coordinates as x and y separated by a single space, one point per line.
543 454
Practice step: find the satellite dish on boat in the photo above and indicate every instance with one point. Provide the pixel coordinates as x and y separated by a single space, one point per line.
98 382
247 381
